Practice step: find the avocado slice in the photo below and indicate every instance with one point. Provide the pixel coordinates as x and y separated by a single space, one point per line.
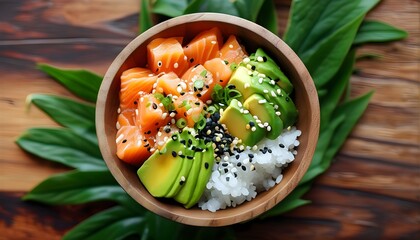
241 124
207 162
186 192
248 85
258 106
160 173
266 65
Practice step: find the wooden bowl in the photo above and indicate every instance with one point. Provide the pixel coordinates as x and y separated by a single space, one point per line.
252 36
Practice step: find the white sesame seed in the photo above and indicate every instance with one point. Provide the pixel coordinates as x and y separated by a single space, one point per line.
225 158
118 110
278 91
173 121
255 147
276 106
137 112
265 124
189 111
241 147
172 114
179 89
261 75
260 59
247 126
213 42
119 138
151 75
160 143
239 104
179 152
272 82
260 80
246 60
176 65
117 125
248 66
183 178
278 113
289 128
246 85
260 125
253 129
268 128
160 104
230 46
265 91
209 101
185 58
262 101
183 85
164 115
159 134
273 94
241 110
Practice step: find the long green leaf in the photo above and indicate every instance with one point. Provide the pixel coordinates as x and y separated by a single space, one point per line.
267 17
374 31
82 83
102 220
292 201
145 18
77 187
352 110
219 6
336 89
248 9
322 33
77 116
169 8
63 146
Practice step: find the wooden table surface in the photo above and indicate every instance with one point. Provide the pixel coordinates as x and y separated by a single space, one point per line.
371 191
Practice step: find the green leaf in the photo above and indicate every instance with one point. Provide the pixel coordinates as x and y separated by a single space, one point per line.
219 6
170 8
336 89
114 223
374 31
292 201
352 110
145 18
319 163
248 9
82 83
267 17
63 146
77 187
322 32
77 116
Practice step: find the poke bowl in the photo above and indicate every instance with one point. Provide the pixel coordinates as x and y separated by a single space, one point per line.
211 169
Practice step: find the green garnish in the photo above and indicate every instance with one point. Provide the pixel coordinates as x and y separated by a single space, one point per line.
199 84
203 73
233 66
181 123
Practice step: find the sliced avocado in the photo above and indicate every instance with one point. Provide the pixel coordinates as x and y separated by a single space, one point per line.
266 65
186 192
187 154
241 124
161 171
284 105
203 177
258 106
247 84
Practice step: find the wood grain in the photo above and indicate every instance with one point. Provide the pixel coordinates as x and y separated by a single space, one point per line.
370 192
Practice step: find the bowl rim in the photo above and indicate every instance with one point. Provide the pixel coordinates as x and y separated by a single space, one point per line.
213 220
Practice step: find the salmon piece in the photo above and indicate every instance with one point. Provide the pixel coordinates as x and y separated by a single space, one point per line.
204 46
199 80
134 81
166 55
151 115
132 146
164 134
188 107
221 75
126 118
232 51
170 83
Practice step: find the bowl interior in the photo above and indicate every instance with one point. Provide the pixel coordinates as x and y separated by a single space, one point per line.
251 36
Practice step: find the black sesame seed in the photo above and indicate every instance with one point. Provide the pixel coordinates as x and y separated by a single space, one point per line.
174 137
124 141
183 141
231 86
149 132
174 154
206 165
198 95
269 150
220 80
226 170
251 124
287 99
250 155
227 179
181 182
236 175
135 102
238 164
189 141
244 168
281 145
190 157
252 68
225 164
237 156
192 60
181 156
264 59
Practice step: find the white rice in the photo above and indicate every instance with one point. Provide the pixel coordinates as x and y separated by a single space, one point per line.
262 173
